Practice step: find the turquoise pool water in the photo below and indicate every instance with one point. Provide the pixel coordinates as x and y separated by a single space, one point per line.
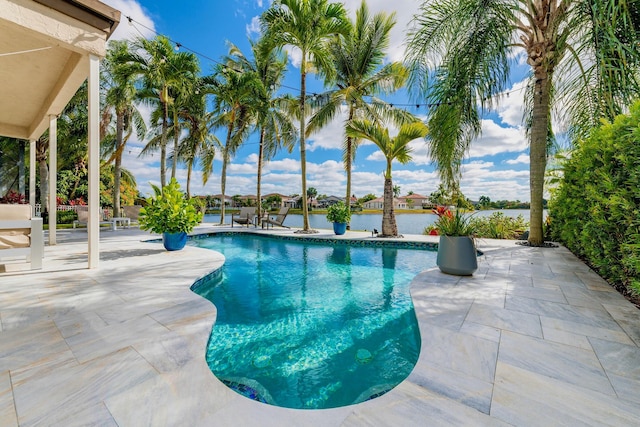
309 325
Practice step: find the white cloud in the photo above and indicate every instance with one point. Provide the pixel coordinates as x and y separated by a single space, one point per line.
496 139
522 158
141 19
254 27
510 106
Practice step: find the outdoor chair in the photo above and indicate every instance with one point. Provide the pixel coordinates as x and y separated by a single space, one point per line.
245 217
278 220
21 234
83 218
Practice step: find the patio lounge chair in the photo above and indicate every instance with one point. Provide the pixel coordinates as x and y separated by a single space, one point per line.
83 218
278 220
245 217
21 235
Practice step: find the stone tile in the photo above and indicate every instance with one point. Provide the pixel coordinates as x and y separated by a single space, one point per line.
481 331
588 316
455 385
628 317
619 359
185 313
614 334
8 416
545 294
185 398
522 397
94 416
77 387
626 388
100 342
574 291
79 322
523 323
25 346
411 404
561 362
564 337
168 352
458 352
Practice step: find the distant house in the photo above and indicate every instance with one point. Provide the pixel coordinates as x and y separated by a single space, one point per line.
294 202
416 201
329 200
379 203
283 199
218 197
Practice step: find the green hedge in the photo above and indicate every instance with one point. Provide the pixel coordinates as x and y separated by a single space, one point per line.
596 210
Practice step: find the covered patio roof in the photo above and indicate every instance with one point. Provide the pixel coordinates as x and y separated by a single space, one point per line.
47 49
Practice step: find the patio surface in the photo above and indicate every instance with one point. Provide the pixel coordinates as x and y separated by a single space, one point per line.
533 338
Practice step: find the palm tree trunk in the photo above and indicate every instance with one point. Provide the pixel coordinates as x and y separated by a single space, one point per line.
259 178
189 169
223 174
118 164
41 148
163 146
348 160
176 140
389 226
303 150
538 155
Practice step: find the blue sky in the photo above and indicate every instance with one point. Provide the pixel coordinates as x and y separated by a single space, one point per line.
497 165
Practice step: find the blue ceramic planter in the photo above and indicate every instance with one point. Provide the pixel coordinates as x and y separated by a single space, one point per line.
174 241
339 228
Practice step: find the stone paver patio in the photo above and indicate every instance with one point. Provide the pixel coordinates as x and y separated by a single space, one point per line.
533 338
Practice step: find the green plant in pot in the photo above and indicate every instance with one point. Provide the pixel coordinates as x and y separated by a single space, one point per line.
339 215
171 214
456 250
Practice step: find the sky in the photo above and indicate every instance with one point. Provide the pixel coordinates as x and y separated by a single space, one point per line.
496 166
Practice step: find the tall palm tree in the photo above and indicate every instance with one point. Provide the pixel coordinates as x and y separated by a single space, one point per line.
165 73
394 148
119 88
198 146
308 25
235 97
272 120
583 56
360 76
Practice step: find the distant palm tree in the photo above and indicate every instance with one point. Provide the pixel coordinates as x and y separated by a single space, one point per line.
119 89
272 120
394 148
198 146
165 73
308 25
583 54
235 94
360 76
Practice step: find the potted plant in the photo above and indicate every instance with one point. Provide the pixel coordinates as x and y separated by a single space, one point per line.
456 250
339 215
171 214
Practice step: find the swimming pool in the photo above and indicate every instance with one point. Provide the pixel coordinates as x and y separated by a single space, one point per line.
307 325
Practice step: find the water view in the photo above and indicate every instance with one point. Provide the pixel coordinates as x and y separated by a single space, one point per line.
407 223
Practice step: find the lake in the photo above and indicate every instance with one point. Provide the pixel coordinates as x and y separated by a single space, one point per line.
407 223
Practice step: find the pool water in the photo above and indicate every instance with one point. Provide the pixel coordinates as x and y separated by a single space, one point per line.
303 325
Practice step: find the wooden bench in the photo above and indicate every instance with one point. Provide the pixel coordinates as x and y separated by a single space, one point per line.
21 235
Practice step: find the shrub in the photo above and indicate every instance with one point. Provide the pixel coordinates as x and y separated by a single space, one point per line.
169 211
595 211
453 224
339 213
499 226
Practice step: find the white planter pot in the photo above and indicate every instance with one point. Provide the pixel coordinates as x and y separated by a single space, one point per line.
457 255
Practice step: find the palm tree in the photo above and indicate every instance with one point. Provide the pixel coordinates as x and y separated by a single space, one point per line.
311 194
396 148
583 56
272 120
198 146
360 76
119 86
235 93
308 25
165 73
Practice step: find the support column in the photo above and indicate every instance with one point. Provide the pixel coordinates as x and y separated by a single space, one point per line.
93 228
32 176
53 180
